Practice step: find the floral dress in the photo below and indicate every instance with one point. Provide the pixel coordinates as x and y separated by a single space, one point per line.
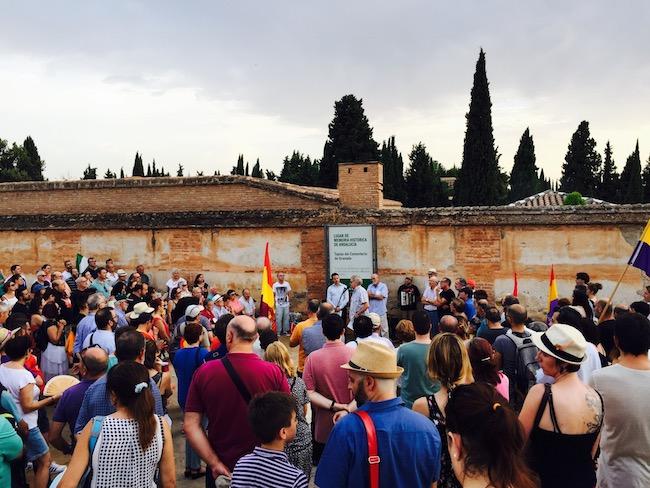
299 450
447 476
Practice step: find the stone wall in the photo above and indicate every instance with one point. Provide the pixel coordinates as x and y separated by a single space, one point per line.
487 244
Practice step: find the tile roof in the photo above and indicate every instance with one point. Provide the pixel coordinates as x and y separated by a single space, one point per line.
552 198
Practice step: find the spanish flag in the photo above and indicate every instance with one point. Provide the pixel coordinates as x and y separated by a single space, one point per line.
641 256
267 302
552 293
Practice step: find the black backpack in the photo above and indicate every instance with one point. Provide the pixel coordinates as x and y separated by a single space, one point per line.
526 366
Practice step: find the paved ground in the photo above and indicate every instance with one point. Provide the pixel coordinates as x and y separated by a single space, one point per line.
177 434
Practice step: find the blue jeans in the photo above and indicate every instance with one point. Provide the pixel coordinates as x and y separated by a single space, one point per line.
433 317
192 459
282 320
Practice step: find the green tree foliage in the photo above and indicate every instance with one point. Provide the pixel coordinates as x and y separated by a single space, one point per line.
271 176
239 168
545 183
608 179
394 184
90 173
349 140
645 179
138 168
574 198
524 181
149 171
581 163
299 170
109 175
121 172
246 172
423 185
257 170
480 180
631 185
179 171
31 165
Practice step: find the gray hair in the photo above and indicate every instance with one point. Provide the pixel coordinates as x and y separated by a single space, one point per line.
263 323
356 278
95 300
5 307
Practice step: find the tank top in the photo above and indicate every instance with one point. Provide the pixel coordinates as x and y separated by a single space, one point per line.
447 476
119 461
561 460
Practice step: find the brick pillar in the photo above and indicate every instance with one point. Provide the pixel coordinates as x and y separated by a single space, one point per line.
312 257
361 185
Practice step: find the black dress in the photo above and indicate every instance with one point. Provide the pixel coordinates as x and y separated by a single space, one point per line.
561 460
447 476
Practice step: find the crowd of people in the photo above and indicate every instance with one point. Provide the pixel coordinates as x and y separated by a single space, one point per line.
462 392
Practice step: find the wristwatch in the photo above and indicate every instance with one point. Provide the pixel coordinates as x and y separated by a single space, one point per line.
332 406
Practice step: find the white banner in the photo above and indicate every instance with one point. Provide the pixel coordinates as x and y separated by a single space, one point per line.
351 250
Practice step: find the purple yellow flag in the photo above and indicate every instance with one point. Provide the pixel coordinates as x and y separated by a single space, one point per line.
641 256
552 293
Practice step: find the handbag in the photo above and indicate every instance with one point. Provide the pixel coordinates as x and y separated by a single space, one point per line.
373 454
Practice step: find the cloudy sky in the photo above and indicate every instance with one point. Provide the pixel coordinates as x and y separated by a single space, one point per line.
199 82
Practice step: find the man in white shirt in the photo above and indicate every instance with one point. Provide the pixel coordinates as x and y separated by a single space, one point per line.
337 294
281 290
429 299
376 330
378 298
247 302
358 300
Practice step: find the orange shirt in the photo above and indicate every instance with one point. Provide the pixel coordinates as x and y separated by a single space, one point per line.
296 340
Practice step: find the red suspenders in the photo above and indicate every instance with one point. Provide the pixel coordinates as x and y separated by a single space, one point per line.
373 455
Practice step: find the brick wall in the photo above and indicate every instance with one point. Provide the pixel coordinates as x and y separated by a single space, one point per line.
361 185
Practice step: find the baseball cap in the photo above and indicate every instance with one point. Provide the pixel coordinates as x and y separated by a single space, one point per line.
139 309
193 311
121 272
432 271
375 319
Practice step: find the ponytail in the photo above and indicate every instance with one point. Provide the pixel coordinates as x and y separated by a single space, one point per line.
129 382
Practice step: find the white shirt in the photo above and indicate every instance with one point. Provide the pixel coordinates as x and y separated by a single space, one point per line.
249 305
112 278
15 380
281 292
171 284
358 298
66 275
429 294
384 341
338 296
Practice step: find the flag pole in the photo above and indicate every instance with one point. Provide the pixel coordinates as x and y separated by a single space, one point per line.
611 297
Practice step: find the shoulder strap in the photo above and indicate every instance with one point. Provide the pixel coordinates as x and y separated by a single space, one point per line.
542 404
373 454
94 433
91 343
236 379
293 382
551 406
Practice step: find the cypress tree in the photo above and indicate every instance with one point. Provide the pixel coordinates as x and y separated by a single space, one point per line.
423 185
121 172
246 172
608 179
394 185
545 184
270 175
109 175
349 140
645 176
154 170
299 170
257 170
138 168
480 181
581 163
524 181
179 171
631 186
149 170
31 165
90 173
239 168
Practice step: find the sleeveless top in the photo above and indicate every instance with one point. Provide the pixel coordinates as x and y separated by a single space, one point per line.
118 460
562 460
447 476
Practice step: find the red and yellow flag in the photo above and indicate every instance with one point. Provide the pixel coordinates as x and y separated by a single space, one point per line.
267 302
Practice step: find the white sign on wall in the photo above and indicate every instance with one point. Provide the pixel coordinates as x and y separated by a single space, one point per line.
351 250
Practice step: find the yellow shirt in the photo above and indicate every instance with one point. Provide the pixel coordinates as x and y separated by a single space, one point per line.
296 339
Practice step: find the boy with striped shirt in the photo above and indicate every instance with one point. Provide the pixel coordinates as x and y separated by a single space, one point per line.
273 418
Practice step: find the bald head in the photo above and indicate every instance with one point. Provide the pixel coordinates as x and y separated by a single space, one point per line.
448 323
517 314
95 361
241 331
263 323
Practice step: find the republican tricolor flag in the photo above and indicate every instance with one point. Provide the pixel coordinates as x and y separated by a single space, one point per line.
552 293
267 303
641 256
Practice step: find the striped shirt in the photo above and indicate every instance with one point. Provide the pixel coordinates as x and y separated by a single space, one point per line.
264 468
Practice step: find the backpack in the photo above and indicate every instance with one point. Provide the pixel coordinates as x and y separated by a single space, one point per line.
526 365
17 466
40 337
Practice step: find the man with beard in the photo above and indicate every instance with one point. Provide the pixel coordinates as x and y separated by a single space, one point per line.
408 444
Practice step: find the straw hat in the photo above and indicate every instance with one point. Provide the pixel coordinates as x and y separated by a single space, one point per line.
59 384
563 342
6 335
374 359
139 309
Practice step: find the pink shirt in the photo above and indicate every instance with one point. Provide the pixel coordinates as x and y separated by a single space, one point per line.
502 387
323 374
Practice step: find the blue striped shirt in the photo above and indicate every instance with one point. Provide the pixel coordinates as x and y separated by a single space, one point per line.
265 468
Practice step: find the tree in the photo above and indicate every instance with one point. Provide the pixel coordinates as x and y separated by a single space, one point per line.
109 175
545 183
631 186
239 168
11 160
246 172
581 163
257 170
299 170
423 185
121 172
480 180
524 181
149 171
349 140
138 168
179 171
90 173
645 177
31 164
608 179
271 176
573 198
394 185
